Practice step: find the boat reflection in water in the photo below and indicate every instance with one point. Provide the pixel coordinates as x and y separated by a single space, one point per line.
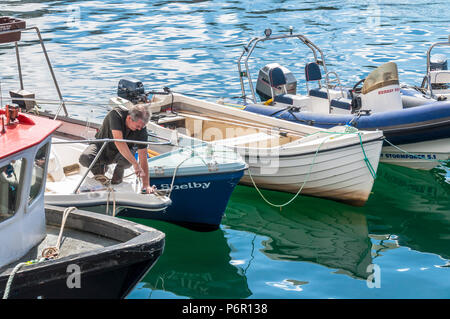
414 205
408 208
196 265
310 229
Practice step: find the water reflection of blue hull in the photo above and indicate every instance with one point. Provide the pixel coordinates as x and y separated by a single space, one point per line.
203 272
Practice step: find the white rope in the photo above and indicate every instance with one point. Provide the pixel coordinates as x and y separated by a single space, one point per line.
10 279
53 252
193 154
176 169
111 191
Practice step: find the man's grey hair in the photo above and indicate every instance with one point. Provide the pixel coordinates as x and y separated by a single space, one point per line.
139 112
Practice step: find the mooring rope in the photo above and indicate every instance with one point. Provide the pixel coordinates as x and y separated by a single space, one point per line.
348 130
352 130
53 252
193 154
300 189
106 181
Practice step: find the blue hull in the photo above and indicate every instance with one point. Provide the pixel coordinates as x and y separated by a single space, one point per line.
199 200
416 124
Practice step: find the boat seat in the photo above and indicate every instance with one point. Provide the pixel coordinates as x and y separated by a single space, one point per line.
276 77
277 81
245 139
440 77
342 103
312 72
292 99
317 92
322 92
284 98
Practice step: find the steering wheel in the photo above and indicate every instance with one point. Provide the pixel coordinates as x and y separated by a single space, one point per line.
356 99
355 88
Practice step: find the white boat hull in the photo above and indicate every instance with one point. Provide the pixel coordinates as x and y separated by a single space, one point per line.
422 155
346 178
99 198
93 193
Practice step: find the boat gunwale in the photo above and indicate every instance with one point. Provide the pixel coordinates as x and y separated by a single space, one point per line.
131 236
365 135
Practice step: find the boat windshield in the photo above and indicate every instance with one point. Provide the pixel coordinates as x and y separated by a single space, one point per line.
10 181
384 75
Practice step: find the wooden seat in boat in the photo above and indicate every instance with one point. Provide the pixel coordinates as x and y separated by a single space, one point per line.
247 139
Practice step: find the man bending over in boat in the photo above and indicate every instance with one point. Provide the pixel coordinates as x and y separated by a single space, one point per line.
121 124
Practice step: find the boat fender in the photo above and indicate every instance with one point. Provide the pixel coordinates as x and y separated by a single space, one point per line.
268 102
152 153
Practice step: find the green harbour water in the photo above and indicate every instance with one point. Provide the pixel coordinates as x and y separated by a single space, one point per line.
315 248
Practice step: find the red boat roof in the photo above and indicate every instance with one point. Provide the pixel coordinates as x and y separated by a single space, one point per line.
27 131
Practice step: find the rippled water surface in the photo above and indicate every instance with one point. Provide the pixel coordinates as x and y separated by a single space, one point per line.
313 248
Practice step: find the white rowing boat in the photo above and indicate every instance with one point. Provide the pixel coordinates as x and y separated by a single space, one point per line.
338 163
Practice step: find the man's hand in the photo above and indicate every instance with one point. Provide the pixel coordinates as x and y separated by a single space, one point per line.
149 190
138 169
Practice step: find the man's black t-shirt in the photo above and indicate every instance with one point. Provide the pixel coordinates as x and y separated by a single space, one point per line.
115 120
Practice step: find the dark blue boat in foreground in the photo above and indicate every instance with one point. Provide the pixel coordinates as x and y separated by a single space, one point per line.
199 180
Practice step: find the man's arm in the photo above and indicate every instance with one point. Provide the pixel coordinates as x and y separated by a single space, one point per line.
142 155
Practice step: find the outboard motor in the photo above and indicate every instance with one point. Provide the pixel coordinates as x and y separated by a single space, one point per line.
440 76
132 90
381 90
438 62
263 84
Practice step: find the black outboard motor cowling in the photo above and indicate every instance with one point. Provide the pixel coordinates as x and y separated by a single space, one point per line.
263 87
132 90
438 62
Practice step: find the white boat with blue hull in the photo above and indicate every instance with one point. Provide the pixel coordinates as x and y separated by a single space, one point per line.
199 177
415 121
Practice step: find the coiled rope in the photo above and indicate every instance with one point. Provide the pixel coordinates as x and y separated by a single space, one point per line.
53 252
